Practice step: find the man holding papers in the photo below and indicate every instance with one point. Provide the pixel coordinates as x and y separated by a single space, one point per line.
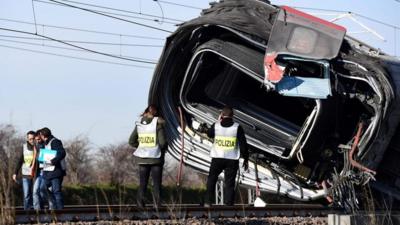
52 157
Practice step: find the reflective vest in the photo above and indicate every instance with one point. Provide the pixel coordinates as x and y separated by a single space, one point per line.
62 162
28 160
225 142
148 144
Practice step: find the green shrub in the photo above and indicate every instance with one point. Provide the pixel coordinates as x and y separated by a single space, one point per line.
102 194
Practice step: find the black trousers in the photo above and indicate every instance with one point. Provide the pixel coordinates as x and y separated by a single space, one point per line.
156 175
230 167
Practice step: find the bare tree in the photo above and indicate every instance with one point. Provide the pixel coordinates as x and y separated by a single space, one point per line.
79 161
10 145
116 165
189 177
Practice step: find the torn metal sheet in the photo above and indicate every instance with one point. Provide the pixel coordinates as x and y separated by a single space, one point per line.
300 34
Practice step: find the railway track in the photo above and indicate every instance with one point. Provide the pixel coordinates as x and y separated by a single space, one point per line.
276 212
132 212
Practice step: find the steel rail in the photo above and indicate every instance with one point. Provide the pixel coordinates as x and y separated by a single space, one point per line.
132 212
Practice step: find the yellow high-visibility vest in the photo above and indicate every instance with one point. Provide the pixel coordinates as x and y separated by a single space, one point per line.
148 145
147 140
28 161
225 142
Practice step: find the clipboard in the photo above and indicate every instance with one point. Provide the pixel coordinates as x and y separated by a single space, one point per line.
45 156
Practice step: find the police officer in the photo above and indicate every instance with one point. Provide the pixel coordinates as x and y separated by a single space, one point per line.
229 145
26 163
149 140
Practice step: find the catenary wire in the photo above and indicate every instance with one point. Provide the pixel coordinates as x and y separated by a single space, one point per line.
75 46
110 13
83 30
85 42
177 4
189 6
34 16
121 10
113 17
74 57
354 13
162 12
65 48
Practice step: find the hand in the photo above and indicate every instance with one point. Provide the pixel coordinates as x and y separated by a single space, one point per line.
14 177
48 162
219 117
246 165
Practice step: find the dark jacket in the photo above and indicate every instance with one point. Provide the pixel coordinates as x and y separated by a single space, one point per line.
162 142
227 122
20 160
58 171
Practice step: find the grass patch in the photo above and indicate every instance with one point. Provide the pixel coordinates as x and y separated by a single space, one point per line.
103 194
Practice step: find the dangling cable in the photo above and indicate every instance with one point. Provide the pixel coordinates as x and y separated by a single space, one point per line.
162 13
354 147
34 16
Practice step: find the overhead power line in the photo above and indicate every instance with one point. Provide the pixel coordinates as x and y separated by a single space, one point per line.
65 48
113 17
85 42
76 46
73 57
377 21
122 10
352 16
177 4
325 10
162 12
34 15
109 13
83 30
354 13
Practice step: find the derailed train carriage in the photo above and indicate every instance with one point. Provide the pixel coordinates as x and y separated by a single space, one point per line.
319 108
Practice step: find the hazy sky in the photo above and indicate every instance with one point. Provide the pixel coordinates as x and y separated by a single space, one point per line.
102 100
